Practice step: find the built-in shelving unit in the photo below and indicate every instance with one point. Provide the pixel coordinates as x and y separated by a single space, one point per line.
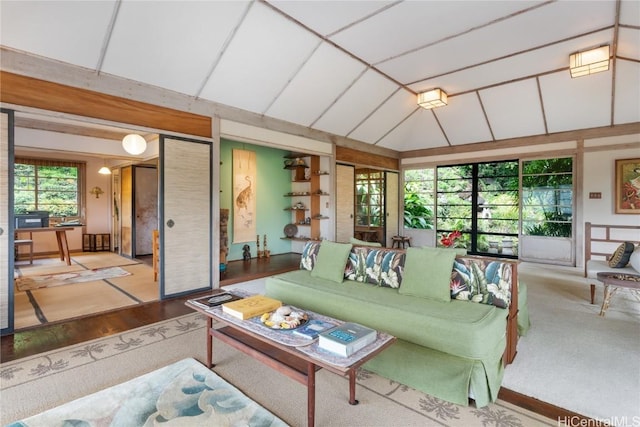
306 212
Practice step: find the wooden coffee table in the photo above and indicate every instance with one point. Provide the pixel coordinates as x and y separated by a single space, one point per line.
613 281
296 357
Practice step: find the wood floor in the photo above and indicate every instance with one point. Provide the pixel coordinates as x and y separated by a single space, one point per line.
61 334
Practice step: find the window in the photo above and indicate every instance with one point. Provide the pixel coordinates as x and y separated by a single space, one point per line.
547 197
369 197
481 201
418 198
48 185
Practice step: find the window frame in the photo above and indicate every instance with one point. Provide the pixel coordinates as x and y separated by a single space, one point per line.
42 162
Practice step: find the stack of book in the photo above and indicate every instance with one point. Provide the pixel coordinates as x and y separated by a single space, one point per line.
214 300
346 339
313 328
252 306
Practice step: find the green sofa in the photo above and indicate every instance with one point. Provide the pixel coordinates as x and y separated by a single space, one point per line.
453 349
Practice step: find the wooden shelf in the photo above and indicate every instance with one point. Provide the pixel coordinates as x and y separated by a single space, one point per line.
293 167
296 209
296 239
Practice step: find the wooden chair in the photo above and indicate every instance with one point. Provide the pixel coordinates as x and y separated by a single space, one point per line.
24 242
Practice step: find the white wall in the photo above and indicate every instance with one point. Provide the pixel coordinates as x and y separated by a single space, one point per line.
599 176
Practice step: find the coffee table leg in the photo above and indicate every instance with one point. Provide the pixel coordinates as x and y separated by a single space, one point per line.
209 343
352 387
311 394
608 293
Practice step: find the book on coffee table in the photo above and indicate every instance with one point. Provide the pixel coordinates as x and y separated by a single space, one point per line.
252 306
313 328
346 339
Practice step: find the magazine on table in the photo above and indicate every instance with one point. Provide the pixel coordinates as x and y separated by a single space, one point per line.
313 328
211 301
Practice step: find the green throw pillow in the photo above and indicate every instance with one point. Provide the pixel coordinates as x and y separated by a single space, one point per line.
359 242
331 261
427 273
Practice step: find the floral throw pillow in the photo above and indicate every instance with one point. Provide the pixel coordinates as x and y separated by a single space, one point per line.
379 267
309 255
485 282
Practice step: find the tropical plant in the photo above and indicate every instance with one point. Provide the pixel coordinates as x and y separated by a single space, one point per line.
417 214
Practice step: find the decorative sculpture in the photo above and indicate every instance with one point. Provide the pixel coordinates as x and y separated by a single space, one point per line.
246 253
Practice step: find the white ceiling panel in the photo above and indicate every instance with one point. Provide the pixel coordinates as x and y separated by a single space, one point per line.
316 86
514 110
412 24
388 116
418 132
266 52
629 43
181 49
524 65
326 17
68 31
630 12
473 128
497 41
349 67
575 103
627 100
363 97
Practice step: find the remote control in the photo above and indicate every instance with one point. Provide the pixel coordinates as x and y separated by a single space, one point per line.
220 298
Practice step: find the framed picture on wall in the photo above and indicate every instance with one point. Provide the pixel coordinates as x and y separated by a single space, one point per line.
627 186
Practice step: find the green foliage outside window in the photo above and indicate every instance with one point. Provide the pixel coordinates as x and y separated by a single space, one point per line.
46 188
418 198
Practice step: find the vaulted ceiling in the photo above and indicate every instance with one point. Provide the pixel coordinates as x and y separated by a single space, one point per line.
353 68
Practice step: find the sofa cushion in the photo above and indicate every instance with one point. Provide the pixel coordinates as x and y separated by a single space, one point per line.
482 281
634 259
427 272
331 261
620 257
377 266
309 255
359 242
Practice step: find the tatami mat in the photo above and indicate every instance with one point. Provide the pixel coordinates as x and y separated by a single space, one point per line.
80 299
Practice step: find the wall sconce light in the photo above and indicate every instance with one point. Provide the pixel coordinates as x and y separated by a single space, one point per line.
134 144
589 61
96 191
432 98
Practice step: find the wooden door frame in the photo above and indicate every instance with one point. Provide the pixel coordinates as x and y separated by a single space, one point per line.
10 250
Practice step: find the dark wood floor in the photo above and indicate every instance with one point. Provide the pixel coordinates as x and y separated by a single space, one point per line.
61 334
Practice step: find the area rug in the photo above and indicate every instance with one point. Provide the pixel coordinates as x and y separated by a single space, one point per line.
51 280
82 369
183 393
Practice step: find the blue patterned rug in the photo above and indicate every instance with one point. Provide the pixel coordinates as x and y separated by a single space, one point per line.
184 393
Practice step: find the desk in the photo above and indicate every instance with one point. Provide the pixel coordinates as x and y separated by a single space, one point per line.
367 235
61 237
613 281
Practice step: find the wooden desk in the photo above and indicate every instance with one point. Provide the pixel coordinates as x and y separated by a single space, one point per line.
61 237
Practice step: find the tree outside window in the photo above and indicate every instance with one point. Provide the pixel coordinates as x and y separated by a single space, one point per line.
418 198
547 202
47 186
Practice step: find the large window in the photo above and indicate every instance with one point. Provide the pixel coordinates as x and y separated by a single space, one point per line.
419 198
47 185
547 197
481 201
369 198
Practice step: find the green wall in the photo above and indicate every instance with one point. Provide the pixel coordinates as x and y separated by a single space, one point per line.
272 182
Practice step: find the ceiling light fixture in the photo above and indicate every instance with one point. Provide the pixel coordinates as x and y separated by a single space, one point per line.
104 170
589 61
432 98
134 144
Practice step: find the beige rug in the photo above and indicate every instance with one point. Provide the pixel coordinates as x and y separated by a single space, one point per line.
68 278
26 384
